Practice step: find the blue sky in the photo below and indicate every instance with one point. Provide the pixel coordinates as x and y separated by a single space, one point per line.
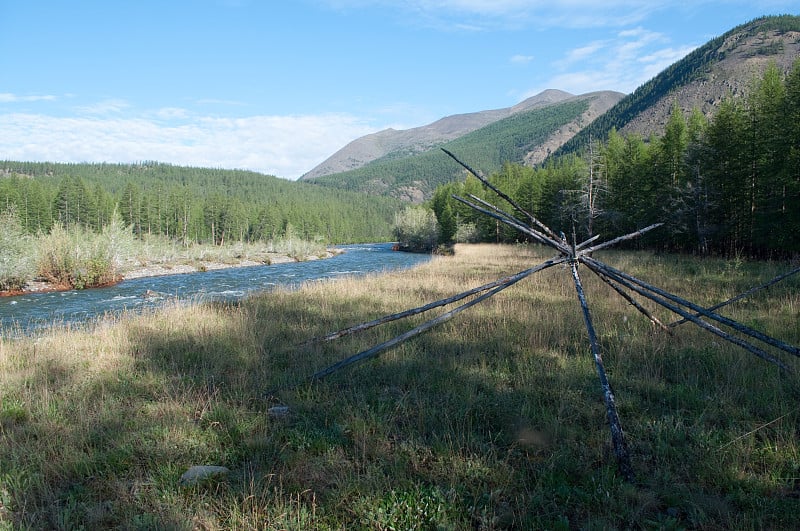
278 86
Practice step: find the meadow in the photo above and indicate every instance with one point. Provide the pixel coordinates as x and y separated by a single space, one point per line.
493 420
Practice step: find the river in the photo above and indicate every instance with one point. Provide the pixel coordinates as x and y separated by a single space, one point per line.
25 314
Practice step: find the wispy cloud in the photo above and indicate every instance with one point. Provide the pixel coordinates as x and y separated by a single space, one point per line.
521 59
623 62
110 106
6 97
485 14
286 146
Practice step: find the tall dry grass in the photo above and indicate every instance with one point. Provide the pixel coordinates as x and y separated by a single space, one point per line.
494 420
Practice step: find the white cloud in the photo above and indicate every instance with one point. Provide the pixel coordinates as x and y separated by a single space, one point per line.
171 113
623 62
483 14
522 59
584 52
6 97
286 146
110 106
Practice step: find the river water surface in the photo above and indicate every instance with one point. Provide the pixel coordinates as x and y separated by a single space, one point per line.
25 314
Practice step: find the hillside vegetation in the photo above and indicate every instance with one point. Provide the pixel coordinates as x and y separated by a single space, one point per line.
414 177
190 205
417 140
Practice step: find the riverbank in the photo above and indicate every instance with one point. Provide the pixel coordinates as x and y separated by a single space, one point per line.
140 268
200 266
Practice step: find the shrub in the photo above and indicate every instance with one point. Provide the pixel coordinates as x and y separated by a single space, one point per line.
467 233
16 253
78 258
416 229
57 257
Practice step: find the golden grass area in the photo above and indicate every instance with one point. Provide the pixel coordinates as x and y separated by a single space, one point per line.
494 420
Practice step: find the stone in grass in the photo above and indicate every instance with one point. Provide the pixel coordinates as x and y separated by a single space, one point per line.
202 474
278 411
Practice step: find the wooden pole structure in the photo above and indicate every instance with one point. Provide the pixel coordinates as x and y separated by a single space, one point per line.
617 435
574 254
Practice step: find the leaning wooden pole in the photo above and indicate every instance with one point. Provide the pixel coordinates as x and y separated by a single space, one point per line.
743 295
502 195
377 349
665 295
418 310
521 227
617 435
596 266
653 319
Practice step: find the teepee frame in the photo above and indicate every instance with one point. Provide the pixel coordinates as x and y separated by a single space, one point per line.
573 254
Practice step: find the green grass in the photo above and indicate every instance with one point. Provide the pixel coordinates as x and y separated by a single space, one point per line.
494 420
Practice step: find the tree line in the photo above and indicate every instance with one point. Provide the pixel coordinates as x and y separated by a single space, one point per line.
726 185
191 205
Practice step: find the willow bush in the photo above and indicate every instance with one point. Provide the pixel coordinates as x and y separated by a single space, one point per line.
416 229
16 253
76 257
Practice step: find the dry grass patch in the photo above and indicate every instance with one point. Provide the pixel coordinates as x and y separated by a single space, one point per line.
493 420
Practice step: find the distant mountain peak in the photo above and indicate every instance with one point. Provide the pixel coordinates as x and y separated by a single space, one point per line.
387 142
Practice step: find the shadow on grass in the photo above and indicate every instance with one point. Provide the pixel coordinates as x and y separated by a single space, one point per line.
488 422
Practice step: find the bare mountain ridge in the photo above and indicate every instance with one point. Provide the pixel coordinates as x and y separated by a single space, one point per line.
725 67
743 58
368 148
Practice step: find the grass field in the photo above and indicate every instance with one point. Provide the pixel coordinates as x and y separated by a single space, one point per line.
494 420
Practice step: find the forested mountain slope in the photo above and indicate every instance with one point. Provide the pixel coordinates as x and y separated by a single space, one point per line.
192 204
399 143
723 67
524 135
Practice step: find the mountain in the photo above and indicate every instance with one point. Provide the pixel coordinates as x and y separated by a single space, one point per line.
529 131
420 139
406 165
722 68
